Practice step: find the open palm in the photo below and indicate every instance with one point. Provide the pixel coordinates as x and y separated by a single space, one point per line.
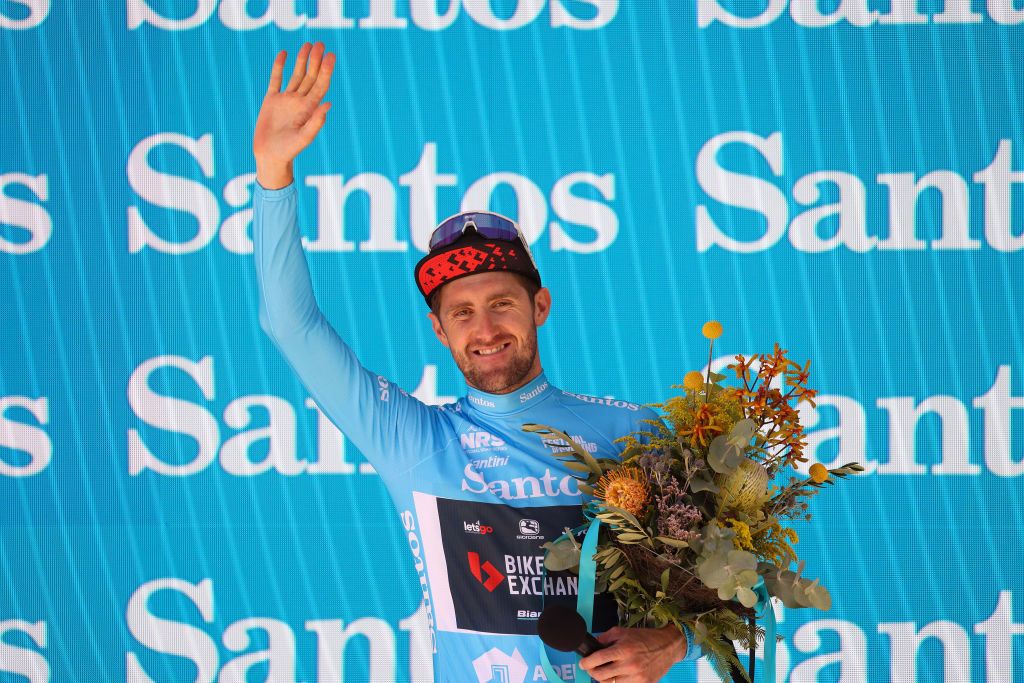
290 119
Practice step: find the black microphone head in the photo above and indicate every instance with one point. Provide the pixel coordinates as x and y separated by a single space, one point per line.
561 627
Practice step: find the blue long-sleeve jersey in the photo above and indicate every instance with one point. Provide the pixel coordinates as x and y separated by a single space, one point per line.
477 495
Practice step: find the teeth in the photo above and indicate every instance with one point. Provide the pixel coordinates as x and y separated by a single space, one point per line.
488 352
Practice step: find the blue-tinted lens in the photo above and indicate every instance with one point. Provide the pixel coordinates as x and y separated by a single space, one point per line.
489 225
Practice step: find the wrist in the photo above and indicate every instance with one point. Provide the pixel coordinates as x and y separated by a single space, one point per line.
274 175
680 646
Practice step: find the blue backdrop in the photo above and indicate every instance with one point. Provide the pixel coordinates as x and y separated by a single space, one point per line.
837 177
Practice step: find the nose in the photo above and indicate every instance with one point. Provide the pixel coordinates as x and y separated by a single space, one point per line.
487 326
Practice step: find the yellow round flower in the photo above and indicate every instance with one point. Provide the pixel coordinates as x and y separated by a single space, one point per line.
712 329
625 488
746 488
693 380
819 472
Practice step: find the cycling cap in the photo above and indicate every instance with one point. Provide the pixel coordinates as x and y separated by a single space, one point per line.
495 243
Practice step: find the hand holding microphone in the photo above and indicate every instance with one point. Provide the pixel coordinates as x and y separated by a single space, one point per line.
562 628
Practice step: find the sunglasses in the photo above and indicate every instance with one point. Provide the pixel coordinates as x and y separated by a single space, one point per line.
489 225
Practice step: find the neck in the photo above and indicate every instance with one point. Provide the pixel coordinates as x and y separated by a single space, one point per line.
531 392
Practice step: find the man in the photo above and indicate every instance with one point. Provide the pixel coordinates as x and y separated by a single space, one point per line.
476 493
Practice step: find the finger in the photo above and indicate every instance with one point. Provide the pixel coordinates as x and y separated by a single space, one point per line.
315 123
300 68
609 672
596 659
323 79
313 69
276 71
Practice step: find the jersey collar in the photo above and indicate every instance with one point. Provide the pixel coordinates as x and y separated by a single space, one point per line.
502 404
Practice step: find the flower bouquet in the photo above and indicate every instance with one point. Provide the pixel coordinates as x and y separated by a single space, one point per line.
693 518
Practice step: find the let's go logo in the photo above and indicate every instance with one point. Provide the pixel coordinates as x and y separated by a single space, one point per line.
477 528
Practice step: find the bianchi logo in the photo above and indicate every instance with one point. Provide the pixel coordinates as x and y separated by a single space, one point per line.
494 666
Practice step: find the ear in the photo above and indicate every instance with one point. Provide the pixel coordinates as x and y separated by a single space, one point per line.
438 330
541 306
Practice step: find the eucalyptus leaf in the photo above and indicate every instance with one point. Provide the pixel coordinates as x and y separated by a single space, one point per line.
723 456
747 597
702 483
674 542
561 555
743 431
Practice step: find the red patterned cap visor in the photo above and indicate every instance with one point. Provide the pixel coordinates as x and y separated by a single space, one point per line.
472 257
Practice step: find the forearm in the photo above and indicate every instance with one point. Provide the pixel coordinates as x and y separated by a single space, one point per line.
287 303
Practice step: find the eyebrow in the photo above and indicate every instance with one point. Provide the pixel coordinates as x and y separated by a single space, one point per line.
510 293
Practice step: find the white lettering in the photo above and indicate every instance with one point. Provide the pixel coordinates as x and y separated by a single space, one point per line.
27 216
172 192
22 661
25 438
807 13
37 12
199 202
234 14
234 454
748 192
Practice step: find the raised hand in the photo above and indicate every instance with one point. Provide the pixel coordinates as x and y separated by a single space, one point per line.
289 119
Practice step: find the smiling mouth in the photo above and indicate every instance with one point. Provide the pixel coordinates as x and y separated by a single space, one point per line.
493 350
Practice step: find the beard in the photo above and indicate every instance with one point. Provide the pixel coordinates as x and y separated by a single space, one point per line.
506 378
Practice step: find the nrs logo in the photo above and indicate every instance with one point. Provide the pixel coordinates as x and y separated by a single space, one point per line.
479 441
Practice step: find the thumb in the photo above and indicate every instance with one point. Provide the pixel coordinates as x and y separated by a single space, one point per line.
316 121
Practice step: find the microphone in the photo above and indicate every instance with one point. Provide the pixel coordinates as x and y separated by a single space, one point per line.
562 628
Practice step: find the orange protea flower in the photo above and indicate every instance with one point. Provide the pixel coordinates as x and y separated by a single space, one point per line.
625 488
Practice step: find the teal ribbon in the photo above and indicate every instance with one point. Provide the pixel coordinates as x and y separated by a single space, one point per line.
585 587
764 611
